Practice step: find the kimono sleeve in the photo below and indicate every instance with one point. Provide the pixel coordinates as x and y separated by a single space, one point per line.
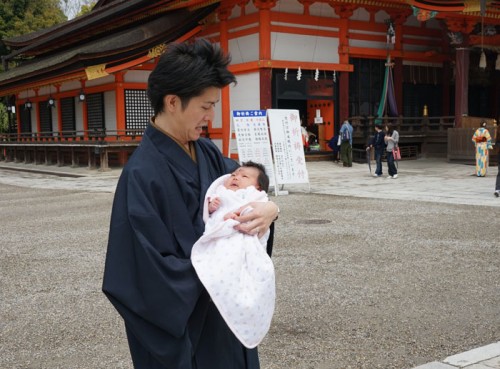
147 277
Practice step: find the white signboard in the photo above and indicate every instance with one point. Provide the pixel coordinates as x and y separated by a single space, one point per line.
286 137
252 138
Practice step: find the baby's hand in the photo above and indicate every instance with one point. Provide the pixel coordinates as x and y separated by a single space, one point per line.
213 204
231 215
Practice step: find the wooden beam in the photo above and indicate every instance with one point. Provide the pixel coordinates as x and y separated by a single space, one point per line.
256 65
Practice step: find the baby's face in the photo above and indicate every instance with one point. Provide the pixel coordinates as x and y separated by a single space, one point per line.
242 178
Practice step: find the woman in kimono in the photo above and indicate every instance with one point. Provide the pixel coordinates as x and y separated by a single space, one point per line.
157 217
482 141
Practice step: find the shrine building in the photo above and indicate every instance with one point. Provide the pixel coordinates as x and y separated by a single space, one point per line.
76 92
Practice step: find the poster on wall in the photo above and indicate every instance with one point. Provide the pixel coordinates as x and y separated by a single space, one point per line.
288 150
252 139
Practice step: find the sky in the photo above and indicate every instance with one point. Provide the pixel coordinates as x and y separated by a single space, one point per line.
72 7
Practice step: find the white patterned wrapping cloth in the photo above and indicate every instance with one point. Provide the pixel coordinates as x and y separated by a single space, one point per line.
235 268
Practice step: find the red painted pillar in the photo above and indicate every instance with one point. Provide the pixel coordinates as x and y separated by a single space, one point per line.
399 19
120 104
59 111
461 68
37 114
461 85
446 89
265 72
344 12
223 14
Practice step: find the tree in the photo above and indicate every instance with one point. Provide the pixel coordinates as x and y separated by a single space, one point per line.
75 8
19 17
4 119
87 8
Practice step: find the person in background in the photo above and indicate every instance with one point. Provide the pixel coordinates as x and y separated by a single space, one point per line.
345 133
482 142
305 135
378 143
312 128
497 144
157 216
391 139
333 144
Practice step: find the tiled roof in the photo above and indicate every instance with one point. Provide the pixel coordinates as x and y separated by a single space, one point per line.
111 48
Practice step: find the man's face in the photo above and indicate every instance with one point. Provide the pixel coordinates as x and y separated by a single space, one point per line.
189 122
242 178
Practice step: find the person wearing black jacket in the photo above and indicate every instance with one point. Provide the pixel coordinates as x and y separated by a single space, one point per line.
497 184
379 144
170 319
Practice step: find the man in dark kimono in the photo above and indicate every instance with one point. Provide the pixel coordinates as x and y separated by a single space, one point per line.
170 321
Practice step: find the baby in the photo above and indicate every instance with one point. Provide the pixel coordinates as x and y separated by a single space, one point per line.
234 267
249 174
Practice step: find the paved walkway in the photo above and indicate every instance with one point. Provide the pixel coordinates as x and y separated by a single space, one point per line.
418 180
432 180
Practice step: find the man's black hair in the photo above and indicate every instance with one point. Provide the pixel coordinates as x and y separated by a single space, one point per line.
186 70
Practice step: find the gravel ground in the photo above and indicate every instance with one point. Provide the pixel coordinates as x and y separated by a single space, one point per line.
361 283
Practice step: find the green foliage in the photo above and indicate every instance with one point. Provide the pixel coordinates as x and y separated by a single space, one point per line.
4 118
86 8
75 8
20 17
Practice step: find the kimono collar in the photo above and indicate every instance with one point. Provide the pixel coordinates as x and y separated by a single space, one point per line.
191 151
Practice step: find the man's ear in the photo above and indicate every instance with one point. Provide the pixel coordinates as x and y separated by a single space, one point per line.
171 102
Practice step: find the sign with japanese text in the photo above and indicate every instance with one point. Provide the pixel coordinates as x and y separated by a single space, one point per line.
286 137
252 139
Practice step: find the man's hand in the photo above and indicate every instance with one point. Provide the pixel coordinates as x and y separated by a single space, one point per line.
256 221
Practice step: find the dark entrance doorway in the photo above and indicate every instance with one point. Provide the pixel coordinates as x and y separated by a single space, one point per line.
315 101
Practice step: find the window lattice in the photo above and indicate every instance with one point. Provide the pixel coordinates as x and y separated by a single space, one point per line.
25 119
45 113
95 112
138 110
415 96
365 86
68 114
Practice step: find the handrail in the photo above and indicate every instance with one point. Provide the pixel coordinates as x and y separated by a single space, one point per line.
405 124
93 135
363 128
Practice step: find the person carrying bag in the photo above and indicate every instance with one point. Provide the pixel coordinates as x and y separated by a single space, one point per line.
391 139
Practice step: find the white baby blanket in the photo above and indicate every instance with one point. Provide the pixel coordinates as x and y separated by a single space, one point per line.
235 268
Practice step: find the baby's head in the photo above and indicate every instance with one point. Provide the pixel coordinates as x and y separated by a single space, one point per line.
249 174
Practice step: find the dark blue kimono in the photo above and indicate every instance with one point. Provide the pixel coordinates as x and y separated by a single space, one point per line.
170 320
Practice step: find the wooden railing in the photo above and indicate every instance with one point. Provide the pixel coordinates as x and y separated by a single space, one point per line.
62 148
364 127
417 134
89 136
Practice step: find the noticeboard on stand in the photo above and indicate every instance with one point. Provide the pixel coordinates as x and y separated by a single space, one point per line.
252 139
288 150
259 131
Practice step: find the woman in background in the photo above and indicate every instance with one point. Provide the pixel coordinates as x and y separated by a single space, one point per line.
497 143
378 142
482 141
391 139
